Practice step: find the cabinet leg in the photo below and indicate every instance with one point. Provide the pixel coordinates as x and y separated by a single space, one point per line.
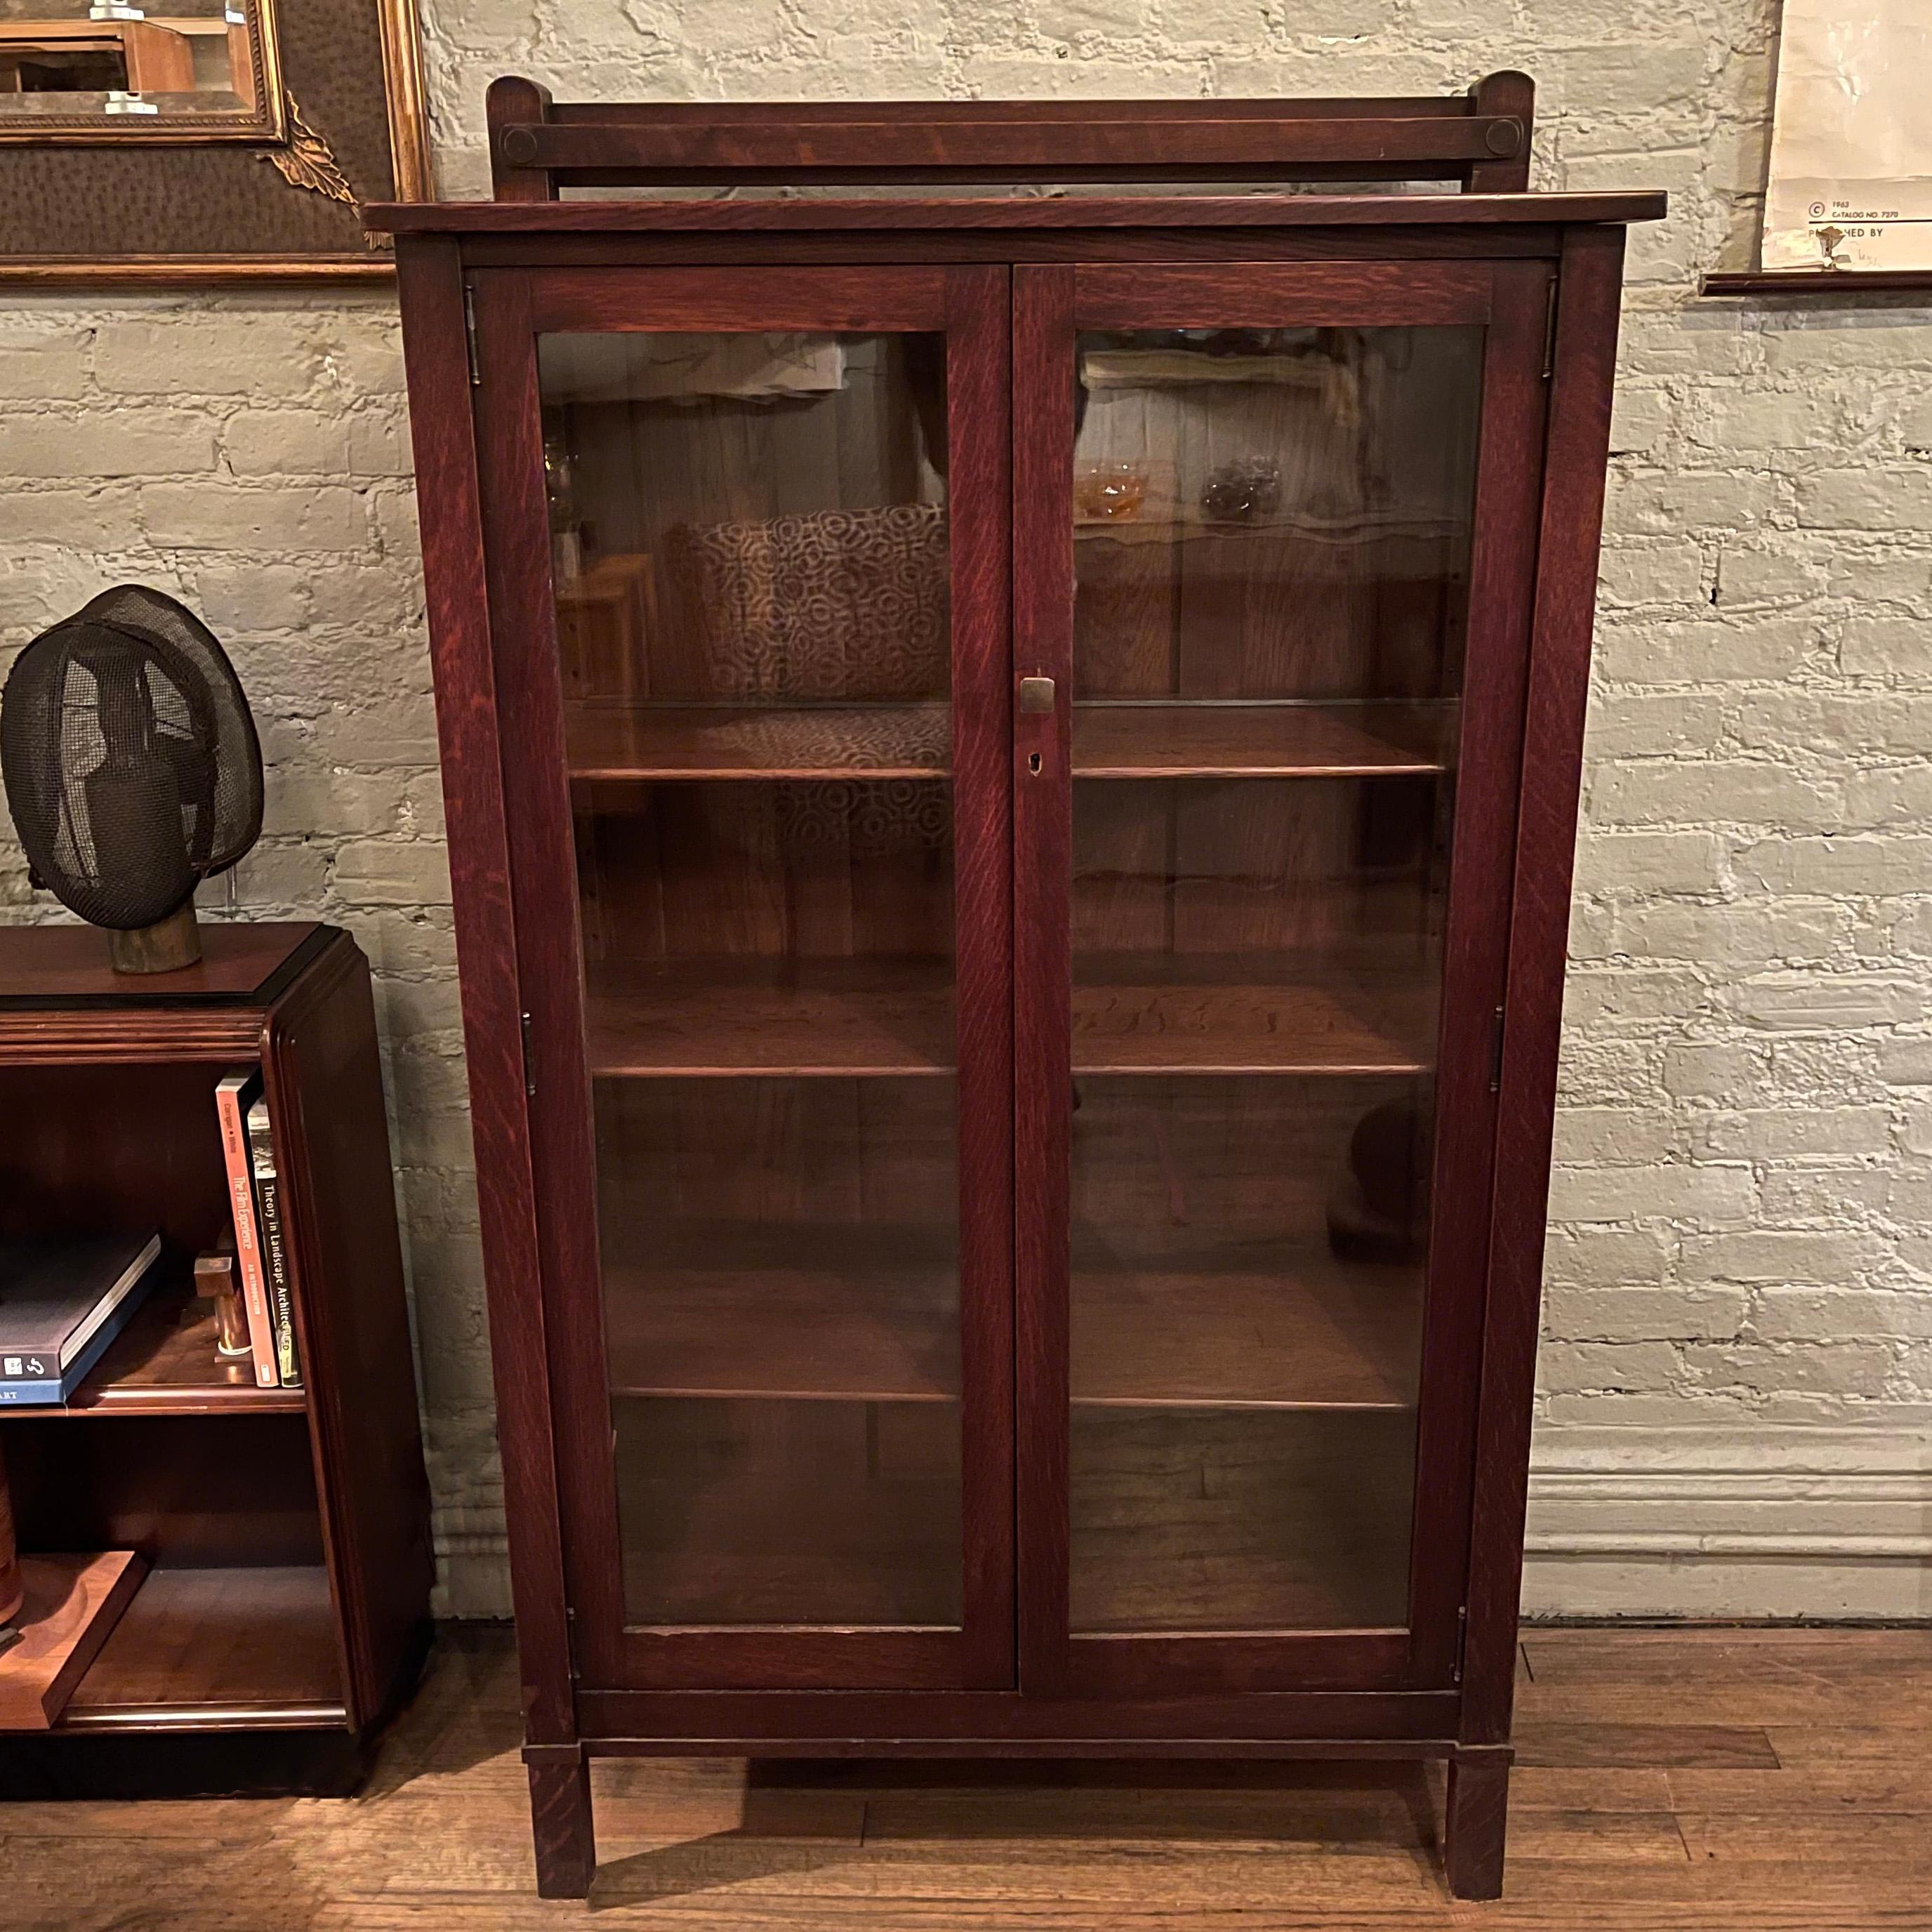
560 1820
1478 1825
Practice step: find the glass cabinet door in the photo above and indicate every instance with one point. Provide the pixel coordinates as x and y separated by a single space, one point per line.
1287 546
767 503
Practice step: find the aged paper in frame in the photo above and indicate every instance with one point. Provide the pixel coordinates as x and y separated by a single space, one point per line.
1850 184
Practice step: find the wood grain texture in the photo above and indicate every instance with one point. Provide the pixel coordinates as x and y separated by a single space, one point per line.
1251 295
1043 589
1832 1838
165 1362
56 966
826 300
69 1606
324 1082
433 297
1311 211
205 1649
1498 647
1571 514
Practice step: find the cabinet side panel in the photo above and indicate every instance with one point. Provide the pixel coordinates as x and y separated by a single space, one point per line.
352 1320
434 343
1572 503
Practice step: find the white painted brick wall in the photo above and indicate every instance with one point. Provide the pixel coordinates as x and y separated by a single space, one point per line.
1740 1273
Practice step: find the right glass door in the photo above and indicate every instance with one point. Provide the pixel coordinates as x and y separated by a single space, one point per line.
1299 563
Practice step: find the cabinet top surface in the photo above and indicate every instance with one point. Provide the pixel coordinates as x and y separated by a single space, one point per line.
242 963
1009 212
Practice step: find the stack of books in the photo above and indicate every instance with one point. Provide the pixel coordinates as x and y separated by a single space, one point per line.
261 1239
62 1299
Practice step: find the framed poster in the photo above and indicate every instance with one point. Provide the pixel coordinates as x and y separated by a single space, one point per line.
1850 186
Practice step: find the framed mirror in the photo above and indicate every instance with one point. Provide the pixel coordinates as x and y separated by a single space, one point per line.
106 71
160 142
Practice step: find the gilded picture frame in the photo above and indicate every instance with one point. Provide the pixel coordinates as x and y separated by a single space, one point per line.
265 188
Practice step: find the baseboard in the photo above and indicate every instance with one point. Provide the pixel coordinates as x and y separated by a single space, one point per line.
1771 1523
1768 1522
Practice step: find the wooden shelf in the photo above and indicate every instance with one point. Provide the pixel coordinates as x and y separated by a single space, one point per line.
1286 741
207 1649
849 1312
785 1311
1270 1325
819 1017
789 1514
1205 1520
615 746
165 1362
1207 1013
610 743
1132 1013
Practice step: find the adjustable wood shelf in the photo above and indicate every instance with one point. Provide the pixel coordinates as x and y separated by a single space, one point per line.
284 1611
611 744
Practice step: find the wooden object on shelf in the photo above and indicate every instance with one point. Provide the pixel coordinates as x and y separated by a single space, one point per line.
913 1069
69 1606
283 1531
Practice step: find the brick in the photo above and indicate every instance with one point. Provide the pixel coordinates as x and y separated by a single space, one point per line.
1773 1255
1635 1314
126 443
215 516
1677 1191
391 871
1855 863
1709 650
1827 1001
1731 791
161 355
47 365
1792 1133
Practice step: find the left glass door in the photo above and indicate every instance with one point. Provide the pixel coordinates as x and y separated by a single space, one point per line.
749 619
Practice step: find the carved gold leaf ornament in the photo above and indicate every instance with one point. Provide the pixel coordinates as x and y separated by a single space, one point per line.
307 162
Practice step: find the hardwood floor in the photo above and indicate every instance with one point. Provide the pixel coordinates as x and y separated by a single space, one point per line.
1728 1781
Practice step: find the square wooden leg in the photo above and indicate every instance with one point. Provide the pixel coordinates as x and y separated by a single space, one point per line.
560 1820
1478 1825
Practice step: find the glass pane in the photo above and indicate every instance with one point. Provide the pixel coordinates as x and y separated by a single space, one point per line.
1272 539
749 542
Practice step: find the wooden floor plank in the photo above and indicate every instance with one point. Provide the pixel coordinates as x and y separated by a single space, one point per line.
1786 1795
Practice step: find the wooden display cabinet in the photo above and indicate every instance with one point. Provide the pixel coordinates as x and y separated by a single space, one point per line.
1012 1032
284 1611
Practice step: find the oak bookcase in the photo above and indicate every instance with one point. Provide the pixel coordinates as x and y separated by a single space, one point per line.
1012 762
284 1612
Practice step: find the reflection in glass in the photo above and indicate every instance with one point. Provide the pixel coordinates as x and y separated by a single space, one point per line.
67 60
748 547
1267 671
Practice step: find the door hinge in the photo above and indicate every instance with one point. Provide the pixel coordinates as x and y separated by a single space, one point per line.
1549 333
529 1059
469 334
1496 1056
1462 1642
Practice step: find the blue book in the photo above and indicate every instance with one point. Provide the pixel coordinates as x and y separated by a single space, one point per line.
62 1302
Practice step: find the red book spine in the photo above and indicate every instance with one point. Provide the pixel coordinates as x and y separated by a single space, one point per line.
247 1241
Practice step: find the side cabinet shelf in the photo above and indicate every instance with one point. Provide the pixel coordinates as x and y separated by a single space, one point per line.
283 1613
1011 763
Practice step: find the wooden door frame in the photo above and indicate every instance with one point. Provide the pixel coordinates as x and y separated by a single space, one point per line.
1050 305
511 306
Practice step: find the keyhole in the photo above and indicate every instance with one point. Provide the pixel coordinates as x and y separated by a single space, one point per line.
1033 764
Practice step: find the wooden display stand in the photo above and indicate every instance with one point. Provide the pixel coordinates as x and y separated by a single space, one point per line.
264 1604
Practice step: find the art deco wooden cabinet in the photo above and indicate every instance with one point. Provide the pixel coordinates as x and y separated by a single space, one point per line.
1011 763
